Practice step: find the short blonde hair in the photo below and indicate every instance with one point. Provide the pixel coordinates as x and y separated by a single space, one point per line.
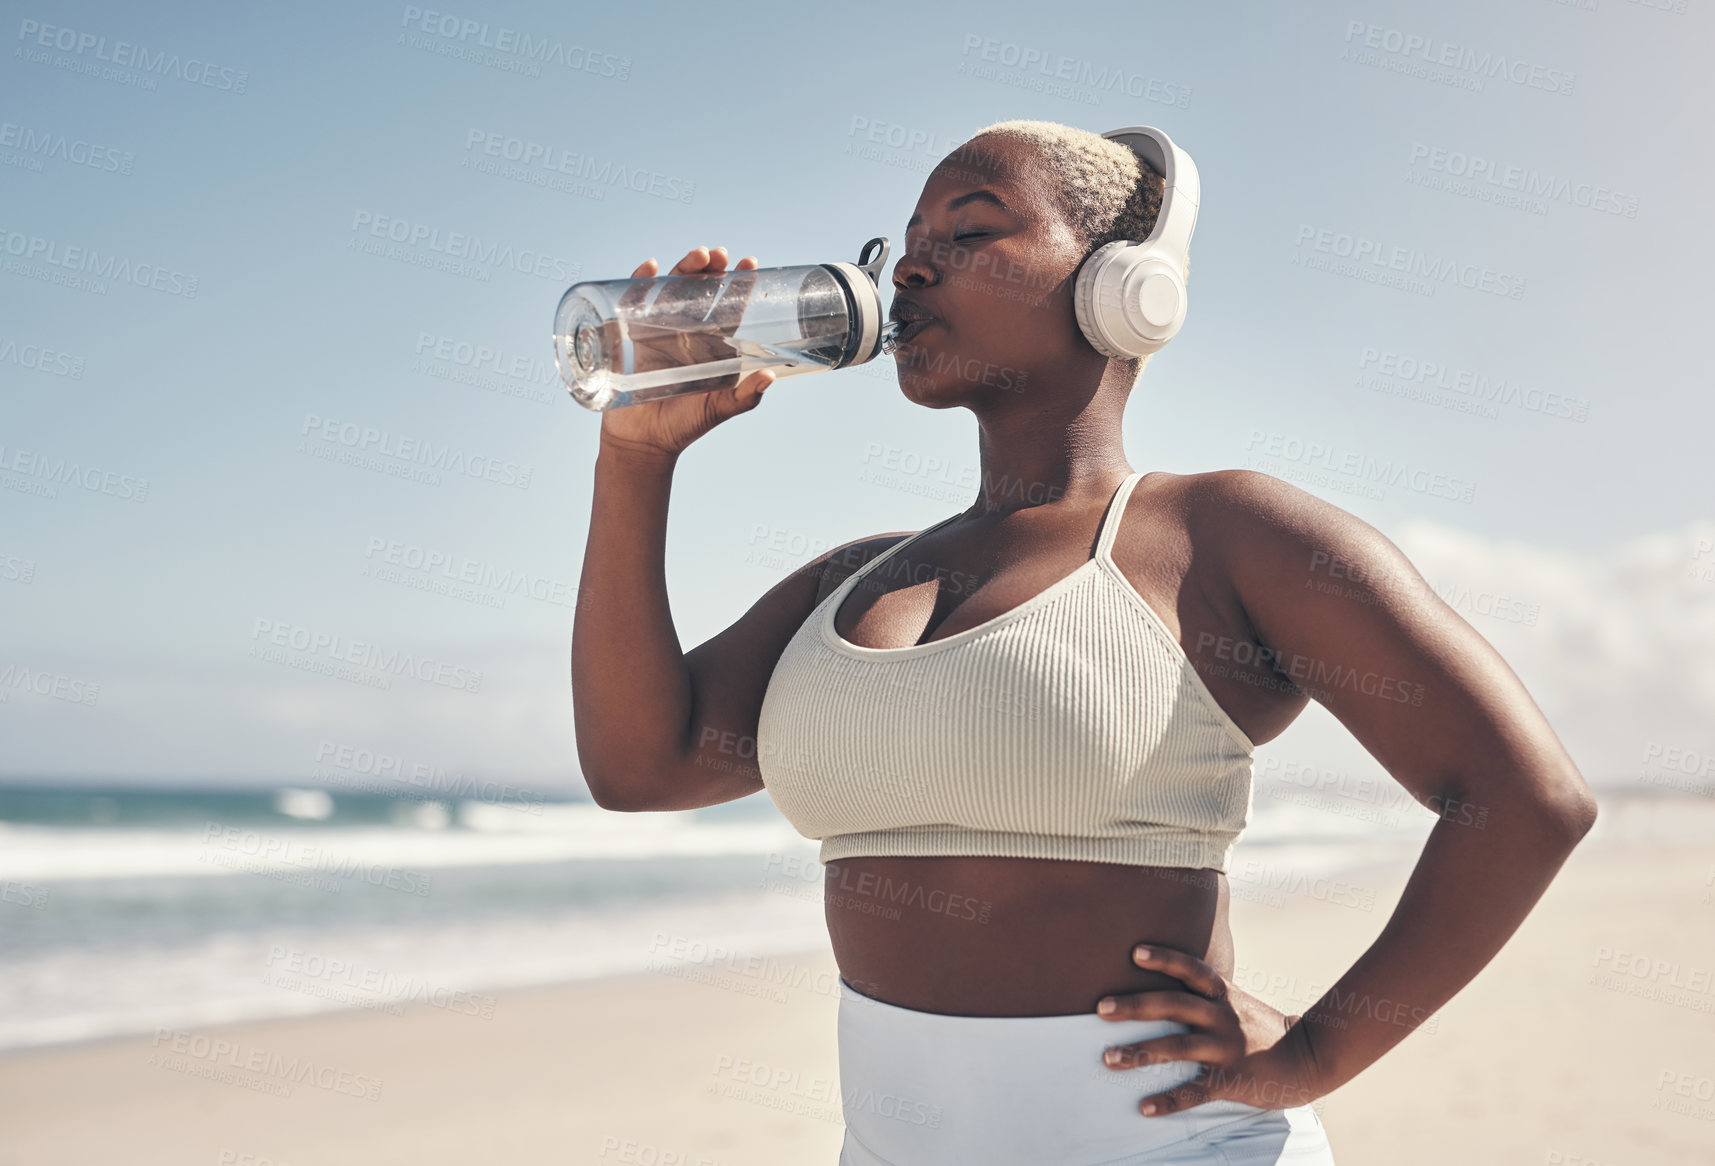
1105 191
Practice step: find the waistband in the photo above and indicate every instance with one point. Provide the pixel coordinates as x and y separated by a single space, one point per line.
927 1087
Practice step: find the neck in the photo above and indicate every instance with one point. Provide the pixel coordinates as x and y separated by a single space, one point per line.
1032 457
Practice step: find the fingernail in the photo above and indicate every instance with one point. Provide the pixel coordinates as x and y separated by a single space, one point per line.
1147 1108
1106 1005
1112 1056
1140 953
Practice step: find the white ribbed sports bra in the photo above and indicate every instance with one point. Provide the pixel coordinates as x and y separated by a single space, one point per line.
1072 726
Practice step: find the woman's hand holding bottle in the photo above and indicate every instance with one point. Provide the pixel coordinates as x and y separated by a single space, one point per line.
662 429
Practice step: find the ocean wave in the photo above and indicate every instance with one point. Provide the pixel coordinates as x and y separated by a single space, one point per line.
490 836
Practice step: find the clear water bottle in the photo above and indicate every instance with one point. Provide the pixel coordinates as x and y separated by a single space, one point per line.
621 342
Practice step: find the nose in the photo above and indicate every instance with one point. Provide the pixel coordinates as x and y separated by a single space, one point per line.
914 267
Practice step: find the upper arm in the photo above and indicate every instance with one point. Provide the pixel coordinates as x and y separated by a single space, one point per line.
729 674
1341 612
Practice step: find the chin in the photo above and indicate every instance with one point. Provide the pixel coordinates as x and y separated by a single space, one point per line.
941 378
935 390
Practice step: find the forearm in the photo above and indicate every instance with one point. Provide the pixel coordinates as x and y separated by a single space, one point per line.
630 685
1471 888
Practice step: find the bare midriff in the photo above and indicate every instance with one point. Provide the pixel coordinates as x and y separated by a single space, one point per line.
977 936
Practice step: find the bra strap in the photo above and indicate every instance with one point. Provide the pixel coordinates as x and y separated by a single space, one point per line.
851 580
1111 520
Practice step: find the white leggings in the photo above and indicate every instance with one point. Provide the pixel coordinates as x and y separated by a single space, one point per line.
924 1089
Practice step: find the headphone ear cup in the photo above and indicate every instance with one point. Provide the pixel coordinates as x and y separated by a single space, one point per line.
1129 300
1085 296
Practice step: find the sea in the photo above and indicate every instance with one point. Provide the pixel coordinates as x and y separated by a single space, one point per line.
127 910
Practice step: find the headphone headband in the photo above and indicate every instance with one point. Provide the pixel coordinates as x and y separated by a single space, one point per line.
1130 294
1180 193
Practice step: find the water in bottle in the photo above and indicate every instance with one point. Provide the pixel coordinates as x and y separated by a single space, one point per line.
621 342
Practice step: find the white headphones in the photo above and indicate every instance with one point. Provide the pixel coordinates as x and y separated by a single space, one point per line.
1130 296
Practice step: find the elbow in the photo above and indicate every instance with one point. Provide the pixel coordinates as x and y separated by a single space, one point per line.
1582 817
1574 809
617 780
625 797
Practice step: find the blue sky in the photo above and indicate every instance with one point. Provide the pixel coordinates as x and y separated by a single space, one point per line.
267 159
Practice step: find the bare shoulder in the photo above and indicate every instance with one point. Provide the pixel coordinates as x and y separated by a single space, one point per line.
1250 495
1263 531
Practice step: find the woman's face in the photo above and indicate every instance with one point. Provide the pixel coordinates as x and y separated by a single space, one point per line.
987 267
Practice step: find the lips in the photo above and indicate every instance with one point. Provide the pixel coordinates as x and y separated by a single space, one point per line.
909 329
911 316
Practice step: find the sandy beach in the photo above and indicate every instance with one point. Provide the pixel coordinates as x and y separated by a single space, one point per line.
1589 1041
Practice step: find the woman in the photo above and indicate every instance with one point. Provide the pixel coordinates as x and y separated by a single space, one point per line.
1024 734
